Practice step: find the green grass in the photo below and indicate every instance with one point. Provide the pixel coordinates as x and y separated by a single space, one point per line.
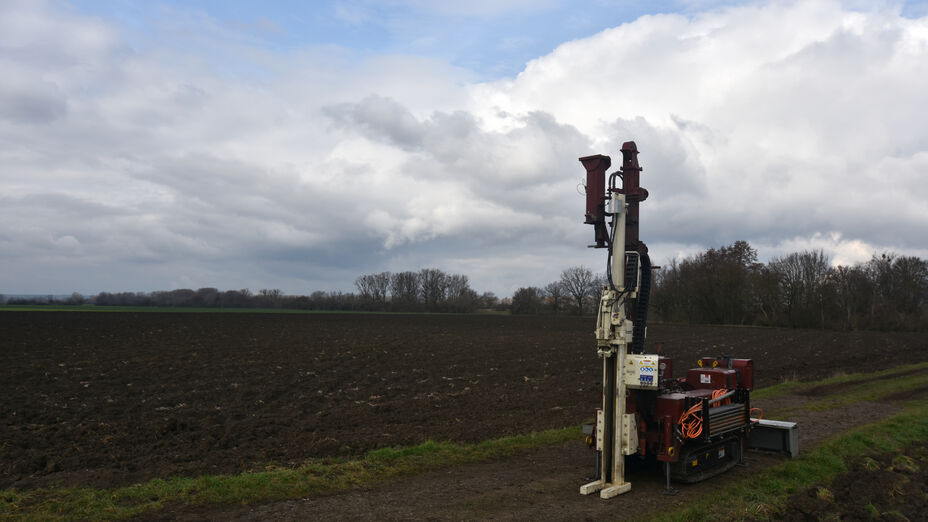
215 310
95 308
315 477
854 388
870 391
789 387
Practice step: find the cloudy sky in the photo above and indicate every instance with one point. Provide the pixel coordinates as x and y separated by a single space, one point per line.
150 145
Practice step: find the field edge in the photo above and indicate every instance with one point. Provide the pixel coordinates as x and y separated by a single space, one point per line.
316 477
332 475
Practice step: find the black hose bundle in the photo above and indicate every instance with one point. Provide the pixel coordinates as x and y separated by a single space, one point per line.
641 306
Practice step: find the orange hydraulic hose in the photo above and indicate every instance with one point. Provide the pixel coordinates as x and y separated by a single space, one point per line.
719 393
691 422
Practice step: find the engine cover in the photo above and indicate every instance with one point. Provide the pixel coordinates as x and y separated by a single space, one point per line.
712 378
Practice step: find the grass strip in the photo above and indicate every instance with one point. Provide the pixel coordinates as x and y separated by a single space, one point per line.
763 496
217 310
186 309
860 388
785 388
315 477
161 309
871 391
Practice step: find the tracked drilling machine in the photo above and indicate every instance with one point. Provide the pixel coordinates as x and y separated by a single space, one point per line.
697 425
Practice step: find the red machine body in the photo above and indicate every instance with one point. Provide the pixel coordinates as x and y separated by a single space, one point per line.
743 367
722 426
712 378
595 196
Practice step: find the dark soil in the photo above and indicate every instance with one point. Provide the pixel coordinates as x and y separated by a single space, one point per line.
109 399
890 486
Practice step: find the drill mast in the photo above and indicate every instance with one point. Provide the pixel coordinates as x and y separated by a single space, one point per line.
617 331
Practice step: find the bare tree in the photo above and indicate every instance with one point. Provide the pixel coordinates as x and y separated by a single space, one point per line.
404 287
853 294
432 284
459 296
803 277
766 295
596 290
208 297
527 300
815 268
456 285
373 287
270 297
182 297
488 300
788 271
236 298
901 287
578 281
366 287
555 292
381 287
910 276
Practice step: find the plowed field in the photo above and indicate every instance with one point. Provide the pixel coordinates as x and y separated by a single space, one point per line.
109 399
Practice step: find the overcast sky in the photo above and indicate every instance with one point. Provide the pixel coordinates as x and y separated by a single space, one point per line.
152 145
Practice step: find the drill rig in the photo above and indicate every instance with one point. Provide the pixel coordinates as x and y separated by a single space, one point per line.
698 425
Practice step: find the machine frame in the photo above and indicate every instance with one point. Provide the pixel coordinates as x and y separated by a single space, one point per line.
697 425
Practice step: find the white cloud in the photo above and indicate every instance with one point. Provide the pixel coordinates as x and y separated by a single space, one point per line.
783 117
792 125
481 7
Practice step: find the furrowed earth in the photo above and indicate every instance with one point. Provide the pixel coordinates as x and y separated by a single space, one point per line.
111 399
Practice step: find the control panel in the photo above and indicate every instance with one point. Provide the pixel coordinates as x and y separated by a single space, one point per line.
641 371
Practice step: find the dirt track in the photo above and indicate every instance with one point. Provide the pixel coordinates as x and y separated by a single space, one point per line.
109 399
534 485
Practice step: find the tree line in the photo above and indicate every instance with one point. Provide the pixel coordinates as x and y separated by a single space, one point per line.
426 290
577 291
728 285
725 285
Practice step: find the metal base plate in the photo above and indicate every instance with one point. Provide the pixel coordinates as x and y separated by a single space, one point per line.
614 490
592 487
605 490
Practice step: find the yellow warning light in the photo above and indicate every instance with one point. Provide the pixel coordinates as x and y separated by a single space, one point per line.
699 363
694 463
670 451
715 363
